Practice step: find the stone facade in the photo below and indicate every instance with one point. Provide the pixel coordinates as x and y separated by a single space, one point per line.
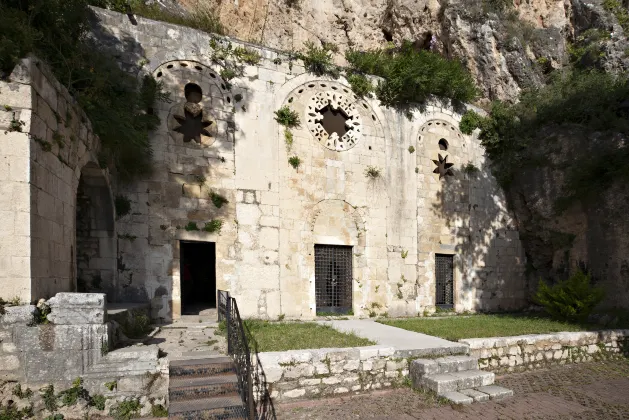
46 147
304 374
391 187
537 351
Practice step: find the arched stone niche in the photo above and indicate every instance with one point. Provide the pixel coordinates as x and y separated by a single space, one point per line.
336 222
443 143
332 114
199 97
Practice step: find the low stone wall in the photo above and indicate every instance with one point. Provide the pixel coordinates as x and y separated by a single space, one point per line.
76 343
508 354
304 374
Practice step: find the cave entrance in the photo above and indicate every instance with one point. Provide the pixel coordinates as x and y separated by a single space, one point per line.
198 277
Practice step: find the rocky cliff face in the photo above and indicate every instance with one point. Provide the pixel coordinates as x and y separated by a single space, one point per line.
503 48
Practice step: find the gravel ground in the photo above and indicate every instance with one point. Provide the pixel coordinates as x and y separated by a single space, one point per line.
596 390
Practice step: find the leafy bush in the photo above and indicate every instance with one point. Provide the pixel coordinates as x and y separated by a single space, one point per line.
360 84
218 200
123 206
410 75
372 172
191 226
621 13
159 411
126 410
71 396
118 105
572 299
213 226
318 60
469 122
98 401
294 161
287 117
135 325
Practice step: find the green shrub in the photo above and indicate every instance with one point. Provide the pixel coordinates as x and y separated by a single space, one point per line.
218 200
159 411
126 410
49 398
191 226
318 60
372 172
621 13
135 325
410 76
573 299
360 84
98 401
287 117
469 122
213 226
123 206
71 396
294 161
247 55
288 139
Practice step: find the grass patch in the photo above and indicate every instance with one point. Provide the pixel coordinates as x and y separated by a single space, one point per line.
282 336
479 326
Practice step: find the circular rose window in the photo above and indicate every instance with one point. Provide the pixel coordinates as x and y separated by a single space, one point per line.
334 120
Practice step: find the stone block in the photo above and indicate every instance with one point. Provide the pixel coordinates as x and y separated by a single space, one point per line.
9 362
295 393
18 315
77 316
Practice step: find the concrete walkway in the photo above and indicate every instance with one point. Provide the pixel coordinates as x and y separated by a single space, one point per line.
406 343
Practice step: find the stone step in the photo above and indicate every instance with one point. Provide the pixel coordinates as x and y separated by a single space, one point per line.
194 388
202 367
447 382
208 408
448 364
482 393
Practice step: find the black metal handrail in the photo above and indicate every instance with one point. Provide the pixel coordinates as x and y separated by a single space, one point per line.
238 347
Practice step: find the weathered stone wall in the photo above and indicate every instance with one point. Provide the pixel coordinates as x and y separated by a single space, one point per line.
304 374
538 351
395 222
45 143
75 344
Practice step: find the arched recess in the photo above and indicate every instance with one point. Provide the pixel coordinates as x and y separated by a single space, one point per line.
336 225
96 243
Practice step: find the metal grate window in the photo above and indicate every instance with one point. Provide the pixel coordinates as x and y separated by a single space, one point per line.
444 266
333 278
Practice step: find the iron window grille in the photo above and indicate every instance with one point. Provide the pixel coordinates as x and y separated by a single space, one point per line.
444 273
333 278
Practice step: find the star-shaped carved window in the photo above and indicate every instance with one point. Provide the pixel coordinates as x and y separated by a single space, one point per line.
191 124
443 167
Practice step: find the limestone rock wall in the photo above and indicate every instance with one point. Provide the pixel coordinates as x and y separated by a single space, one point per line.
501 52
46 142
395 222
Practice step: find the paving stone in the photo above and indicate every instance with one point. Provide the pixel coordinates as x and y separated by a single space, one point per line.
495 392
476 395
457 397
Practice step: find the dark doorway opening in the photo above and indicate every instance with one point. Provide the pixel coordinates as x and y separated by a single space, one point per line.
198 277
333 279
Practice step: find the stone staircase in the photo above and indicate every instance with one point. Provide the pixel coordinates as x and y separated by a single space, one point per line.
204 389
456 378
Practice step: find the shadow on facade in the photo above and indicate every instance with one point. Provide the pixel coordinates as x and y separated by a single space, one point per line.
488 253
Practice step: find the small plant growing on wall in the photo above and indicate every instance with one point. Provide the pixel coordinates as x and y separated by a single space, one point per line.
411 149
123 206
405 254
191 226
228 74
213 226
294 161
470 168
287 117
218 200
372 172
288 139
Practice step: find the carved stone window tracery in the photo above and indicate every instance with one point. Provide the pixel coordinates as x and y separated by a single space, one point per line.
334 120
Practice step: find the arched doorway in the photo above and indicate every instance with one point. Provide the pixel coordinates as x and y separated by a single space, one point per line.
95 234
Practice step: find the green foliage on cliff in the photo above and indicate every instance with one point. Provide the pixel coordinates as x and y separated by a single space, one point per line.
411 75
593 99
118 105
573 299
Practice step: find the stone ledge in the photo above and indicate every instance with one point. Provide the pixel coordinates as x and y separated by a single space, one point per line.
571 338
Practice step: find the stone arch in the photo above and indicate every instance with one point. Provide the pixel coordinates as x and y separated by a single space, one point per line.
96 242
336 222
